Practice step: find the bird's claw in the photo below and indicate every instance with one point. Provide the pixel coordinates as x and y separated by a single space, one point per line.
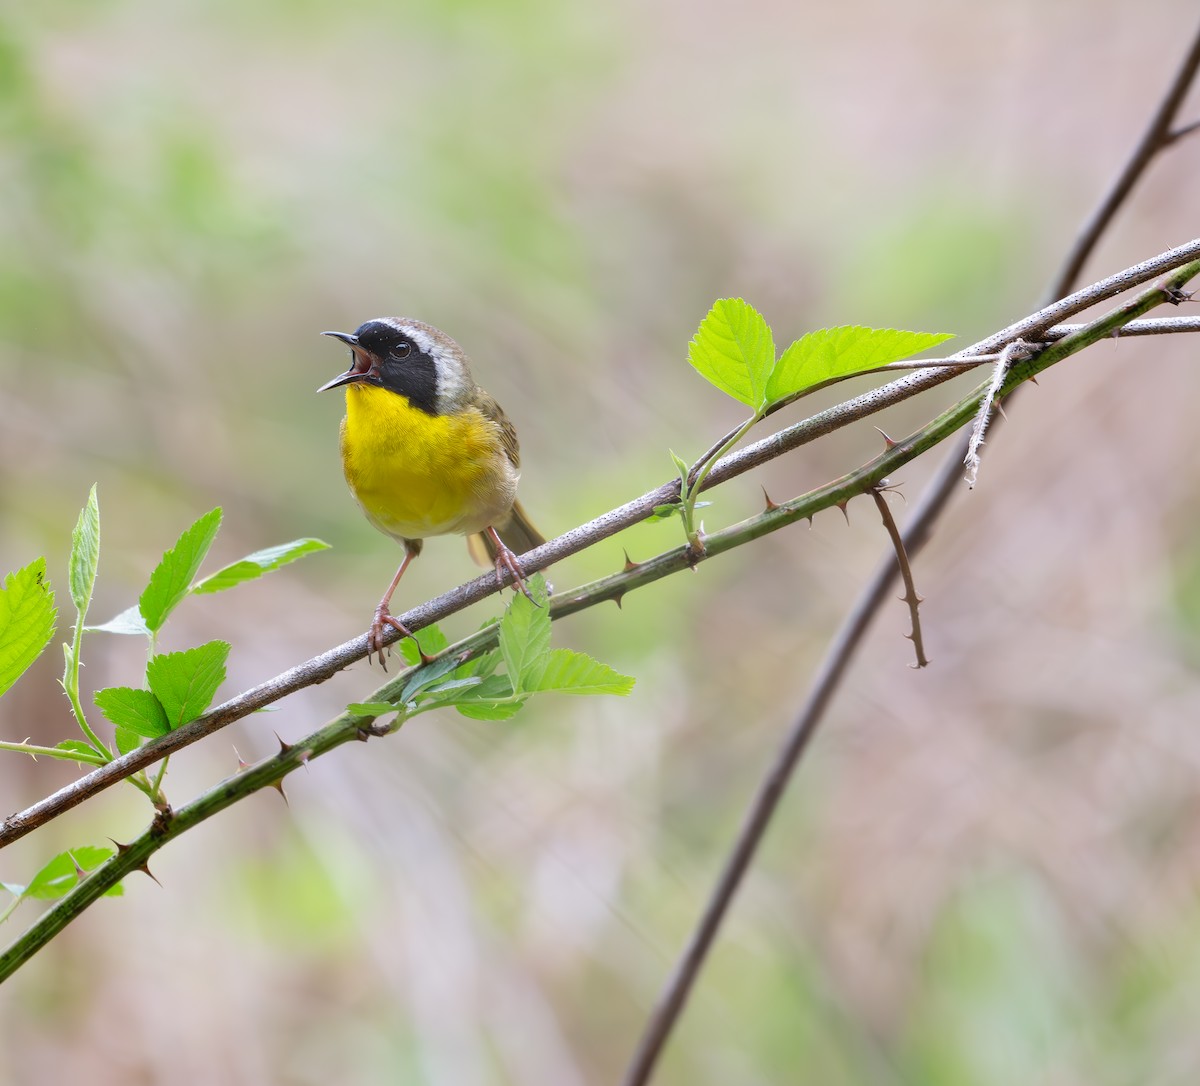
375 645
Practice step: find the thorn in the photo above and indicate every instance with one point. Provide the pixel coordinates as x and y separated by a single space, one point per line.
1177 295
79 871
121 849
629 562
617 597
770 504
278 786
1033 380
887 441
283 747
998 407
809 518
303 757
242 763
842 506
145 870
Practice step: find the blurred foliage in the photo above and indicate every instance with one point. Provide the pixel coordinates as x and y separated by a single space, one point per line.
192 193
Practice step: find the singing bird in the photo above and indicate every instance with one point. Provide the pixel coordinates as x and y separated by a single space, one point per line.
427 452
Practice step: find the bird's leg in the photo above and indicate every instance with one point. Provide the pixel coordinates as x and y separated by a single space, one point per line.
506 560
384 617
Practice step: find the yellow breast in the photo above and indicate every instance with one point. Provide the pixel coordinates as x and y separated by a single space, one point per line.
417 475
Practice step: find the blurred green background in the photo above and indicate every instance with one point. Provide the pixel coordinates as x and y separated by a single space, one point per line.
985 872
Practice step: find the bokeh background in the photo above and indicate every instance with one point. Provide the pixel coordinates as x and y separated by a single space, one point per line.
984 872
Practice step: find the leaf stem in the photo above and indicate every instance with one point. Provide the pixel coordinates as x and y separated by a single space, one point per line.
691 486
71 686
34 751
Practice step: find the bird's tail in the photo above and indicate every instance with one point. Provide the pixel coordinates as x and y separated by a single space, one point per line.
518 533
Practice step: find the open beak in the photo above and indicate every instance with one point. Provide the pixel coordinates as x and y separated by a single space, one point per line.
360 367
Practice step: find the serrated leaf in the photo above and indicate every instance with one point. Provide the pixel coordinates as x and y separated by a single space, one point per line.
138 711
185 682
27 614
432 641
490 710
174 574
258 563
371 708
59 875
525 632
733 349
491 699
450 686
79 751
129 621
427 676
127 740
85 554
829 353
569 672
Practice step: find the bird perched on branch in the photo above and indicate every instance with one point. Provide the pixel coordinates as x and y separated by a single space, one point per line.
427 452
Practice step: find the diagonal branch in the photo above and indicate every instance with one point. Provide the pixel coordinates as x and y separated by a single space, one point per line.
329 663
933 501
348 726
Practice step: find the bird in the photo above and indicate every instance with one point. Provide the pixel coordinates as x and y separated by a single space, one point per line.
427 452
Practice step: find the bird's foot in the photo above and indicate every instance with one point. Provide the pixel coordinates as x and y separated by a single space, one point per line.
506 560
375 645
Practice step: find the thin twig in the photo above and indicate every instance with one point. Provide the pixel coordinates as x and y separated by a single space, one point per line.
1157 136
910 596
987 405
846 641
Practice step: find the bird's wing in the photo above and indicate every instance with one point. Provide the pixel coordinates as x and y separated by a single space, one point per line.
508 435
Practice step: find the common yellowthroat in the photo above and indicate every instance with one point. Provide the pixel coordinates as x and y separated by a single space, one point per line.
427 452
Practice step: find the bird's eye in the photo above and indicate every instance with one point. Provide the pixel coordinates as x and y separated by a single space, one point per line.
402 350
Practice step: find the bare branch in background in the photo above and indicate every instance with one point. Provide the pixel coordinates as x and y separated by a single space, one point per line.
845 643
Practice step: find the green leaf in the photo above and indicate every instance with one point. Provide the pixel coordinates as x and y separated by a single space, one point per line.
491 699
85 554
27 616
569 672
129 621
838 352
525 632
427 676
138 711
258 563
171 577
681 466
441 691
127 741
60 874
371 708
79 751
734 349
490 710
431 640
185 682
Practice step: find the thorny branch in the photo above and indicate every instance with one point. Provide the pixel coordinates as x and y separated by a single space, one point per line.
910 596
169 824
328 664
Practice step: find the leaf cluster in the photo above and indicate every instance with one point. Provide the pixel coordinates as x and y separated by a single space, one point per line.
496 685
